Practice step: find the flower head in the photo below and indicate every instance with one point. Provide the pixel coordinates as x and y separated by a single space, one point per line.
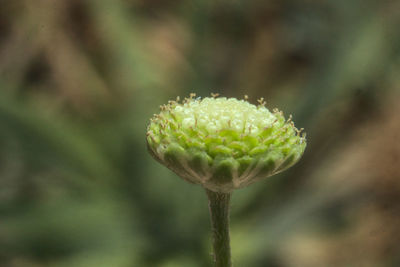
223 143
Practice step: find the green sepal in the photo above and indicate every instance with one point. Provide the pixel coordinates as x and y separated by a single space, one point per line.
223 171
244 163
200 162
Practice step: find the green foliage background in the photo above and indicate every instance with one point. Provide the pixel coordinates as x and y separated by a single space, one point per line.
80 79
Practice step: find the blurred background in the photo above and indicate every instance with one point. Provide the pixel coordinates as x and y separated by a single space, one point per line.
80 79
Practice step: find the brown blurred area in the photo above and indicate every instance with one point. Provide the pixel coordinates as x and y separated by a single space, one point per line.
366 173
80 79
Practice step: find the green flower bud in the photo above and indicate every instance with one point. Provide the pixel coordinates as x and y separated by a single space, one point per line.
223 143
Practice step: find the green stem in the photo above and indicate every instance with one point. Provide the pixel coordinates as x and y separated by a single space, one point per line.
219 212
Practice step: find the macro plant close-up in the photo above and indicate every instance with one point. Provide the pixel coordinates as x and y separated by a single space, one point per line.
281 151
223 144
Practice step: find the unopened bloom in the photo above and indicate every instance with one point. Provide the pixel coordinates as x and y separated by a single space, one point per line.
223 143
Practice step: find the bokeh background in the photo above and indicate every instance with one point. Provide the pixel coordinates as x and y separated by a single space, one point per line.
80 79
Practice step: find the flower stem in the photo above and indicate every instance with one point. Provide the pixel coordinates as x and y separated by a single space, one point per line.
219 212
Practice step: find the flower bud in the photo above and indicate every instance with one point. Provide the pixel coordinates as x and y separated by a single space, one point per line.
223 143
